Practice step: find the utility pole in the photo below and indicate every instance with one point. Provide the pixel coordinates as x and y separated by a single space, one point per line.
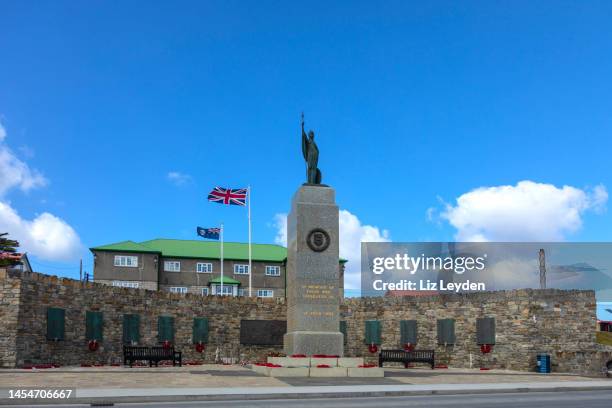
81 271
542 269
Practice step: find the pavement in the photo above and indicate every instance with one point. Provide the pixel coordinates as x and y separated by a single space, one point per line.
582 399
231 383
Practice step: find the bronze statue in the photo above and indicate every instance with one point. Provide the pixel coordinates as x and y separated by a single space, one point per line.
311 155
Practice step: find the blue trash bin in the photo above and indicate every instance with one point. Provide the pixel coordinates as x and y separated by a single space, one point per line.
543 361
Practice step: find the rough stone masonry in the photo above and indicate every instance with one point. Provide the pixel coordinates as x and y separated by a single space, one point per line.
558 322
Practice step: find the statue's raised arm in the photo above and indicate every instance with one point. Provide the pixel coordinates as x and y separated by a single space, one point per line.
304 141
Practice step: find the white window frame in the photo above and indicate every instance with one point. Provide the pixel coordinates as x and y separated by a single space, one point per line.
126 284
174 269
206 267
126 261
275 268
179 289
205 291
268 293
228 290
241 269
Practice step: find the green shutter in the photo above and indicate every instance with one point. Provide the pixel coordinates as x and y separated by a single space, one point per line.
372 332
55 323
343 329
93 325
200 330
485 330
446 331
165 329
131 328
408 332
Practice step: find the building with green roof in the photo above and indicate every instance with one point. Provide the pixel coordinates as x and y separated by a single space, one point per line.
192 266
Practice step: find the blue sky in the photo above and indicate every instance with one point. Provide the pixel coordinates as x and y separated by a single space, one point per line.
414 106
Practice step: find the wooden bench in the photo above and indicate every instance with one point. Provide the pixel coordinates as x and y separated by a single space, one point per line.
406 357
153 355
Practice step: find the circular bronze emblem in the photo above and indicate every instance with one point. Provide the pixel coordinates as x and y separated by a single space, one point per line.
318 240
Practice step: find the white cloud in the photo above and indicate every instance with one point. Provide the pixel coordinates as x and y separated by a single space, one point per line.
528 211
178 178
46 236
352 233
514 273
14 172
280 223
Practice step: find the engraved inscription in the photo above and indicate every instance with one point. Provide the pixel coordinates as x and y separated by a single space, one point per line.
319 314
317 292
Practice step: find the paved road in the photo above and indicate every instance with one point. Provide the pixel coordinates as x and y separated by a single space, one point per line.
580 399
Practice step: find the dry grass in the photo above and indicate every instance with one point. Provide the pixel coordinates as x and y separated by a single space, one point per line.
604 338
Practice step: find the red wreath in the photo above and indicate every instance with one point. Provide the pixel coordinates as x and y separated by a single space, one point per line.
486 348
372 348
166 344
408 347
200 347
93 345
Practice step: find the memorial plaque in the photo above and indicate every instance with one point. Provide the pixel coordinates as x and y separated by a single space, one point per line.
262 332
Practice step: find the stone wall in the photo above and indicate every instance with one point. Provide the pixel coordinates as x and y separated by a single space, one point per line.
38 292
9 312
561 323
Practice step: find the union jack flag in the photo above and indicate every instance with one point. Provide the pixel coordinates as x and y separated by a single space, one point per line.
229 196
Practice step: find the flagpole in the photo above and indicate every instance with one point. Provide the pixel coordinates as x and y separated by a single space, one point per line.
249 210
221 259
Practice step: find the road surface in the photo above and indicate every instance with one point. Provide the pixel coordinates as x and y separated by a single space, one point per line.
579 399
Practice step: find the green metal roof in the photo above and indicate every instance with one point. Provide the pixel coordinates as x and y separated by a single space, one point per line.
177 248
125 246
226 281
181 248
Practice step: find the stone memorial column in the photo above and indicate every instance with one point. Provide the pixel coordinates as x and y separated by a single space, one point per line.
313 273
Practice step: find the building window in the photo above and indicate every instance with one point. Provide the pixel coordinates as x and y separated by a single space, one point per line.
178 289
241 293
228 290
241 269
172 266
125 284
204 291
272 270
265 293
128 261
202 267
